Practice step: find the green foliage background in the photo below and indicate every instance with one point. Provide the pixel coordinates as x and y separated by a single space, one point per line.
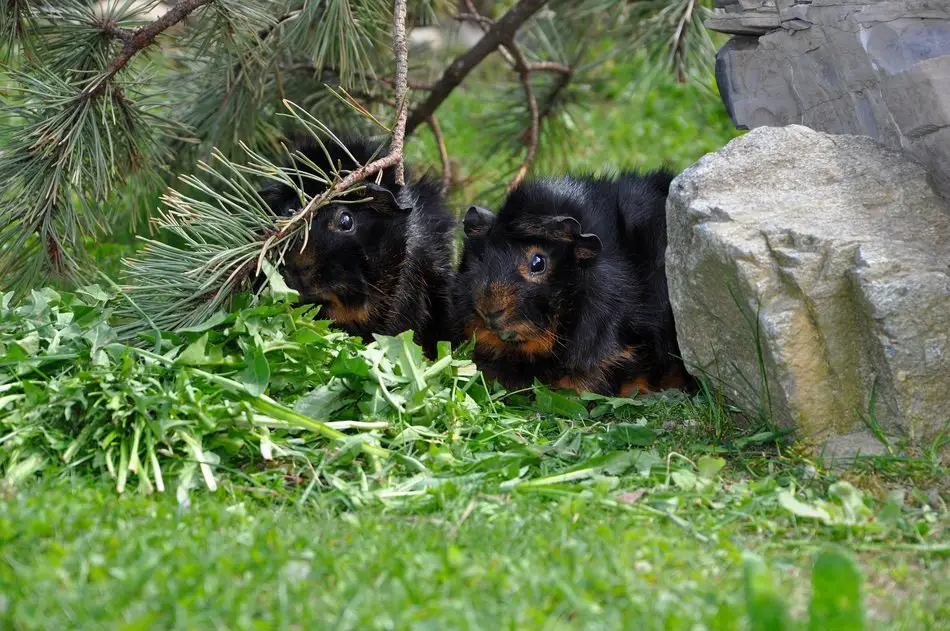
313 480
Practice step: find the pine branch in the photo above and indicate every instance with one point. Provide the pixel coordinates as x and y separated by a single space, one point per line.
117 32
679 40
531 141
502 31
142 38
390 81
395 155
401 52
550 66
344 34
14 22
229 238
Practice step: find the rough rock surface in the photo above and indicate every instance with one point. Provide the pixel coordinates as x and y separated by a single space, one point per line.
879 68
810 275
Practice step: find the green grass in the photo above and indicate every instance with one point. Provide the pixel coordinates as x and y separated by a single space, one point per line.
490 510
74 555
474 506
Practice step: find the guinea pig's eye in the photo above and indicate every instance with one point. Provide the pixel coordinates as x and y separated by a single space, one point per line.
538 264
345 222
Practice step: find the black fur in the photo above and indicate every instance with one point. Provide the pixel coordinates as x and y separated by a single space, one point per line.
598 318
393 271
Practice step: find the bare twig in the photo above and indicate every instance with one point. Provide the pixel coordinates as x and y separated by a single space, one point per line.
485 22
515 57
142 38
502 31
550 66
413 85
443 153
395 156
401 51
531 142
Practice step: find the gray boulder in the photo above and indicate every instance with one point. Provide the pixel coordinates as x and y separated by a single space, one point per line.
810 279
879 68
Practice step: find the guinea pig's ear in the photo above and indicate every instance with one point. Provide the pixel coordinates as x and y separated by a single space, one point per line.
381 199
477 221
280 199
587 245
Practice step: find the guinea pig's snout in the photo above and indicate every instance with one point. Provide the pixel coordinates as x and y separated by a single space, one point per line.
493 306
492 317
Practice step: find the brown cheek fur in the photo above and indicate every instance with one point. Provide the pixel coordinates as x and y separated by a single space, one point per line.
499 295
535 344
485 338
576 384
538 343
348 316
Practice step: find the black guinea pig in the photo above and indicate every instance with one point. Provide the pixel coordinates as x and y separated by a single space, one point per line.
567 284
384 265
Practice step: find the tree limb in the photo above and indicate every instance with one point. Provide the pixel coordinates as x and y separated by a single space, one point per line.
515 57
485 24
142 38
502 31
112 30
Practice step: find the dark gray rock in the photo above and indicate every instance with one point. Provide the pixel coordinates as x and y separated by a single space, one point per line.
879 68
810 278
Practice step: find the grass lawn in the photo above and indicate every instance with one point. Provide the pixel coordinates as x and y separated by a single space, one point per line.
488 511
74 555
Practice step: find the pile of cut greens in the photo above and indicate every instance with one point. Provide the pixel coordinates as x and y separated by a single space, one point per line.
272 387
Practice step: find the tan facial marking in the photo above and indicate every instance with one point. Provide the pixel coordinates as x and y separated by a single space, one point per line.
539 343
485 338
342 314
577 384
497 296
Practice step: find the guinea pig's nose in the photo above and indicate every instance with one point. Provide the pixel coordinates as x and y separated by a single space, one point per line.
492 317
